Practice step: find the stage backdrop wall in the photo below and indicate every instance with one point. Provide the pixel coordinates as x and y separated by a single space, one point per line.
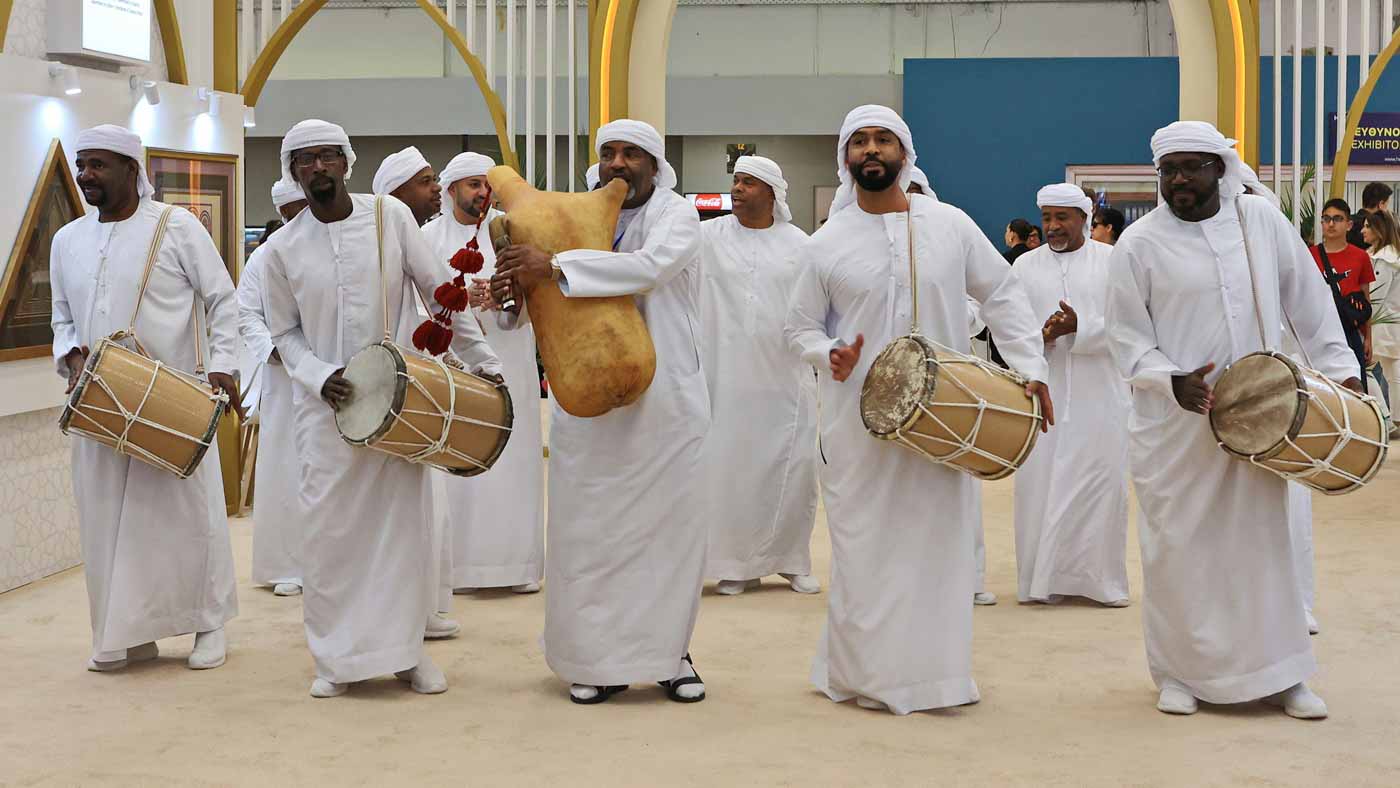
38 522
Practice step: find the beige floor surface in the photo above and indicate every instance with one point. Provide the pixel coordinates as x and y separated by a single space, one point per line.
1066 696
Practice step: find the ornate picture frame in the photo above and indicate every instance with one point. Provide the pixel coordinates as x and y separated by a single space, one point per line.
26 301
206 185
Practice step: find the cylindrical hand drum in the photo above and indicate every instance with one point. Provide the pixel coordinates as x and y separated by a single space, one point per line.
424 411
143 409
950 408
1295 422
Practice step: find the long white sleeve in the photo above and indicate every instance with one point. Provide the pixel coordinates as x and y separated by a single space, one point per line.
207 274
252 322
284 324
1090 338
671 245
65 331
806 325
1005 307
1307 300
1133 342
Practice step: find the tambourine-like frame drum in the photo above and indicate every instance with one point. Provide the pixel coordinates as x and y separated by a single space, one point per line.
950 408
424 411
143 408
1293 421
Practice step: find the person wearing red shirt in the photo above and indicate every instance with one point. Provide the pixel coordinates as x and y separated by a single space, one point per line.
1350 277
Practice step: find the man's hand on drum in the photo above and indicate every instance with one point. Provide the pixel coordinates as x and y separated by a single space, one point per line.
1354 384
337 391
1041 392
1063 322
844 359
518 266
1192 391
75 361
222 381
495 377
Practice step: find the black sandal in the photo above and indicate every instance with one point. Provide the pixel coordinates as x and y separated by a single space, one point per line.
672 685
603 694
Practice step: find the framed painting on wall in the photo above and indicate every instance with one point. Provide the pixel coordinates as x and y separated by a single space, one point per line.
203 184
26 304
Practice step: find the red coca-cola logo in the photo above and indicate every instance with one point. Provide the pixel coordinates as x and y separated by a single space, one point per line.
709 202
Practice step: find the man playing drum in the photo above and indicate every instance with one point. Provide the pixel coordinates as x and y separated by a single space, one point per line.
1222 615
156 547
899 620
368 539
1072 493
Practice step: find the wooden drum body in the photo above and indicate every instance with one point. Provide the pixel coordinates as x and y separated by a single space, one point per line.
1295 422
952 409
424 411
144 409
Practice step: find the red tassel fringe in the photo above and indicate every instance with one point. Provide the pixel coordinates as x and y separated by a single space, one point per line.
434 336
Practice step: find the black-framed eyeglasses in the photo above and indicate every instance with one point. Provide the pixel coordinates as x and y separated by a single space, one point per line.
326 157
1188 171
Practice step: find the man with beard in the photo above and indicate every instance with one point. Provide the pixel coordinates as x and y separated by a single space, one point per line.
761 488
368 524
497 518
1222 612
626 546
277 514
899 626
156 550
1072 492
409 177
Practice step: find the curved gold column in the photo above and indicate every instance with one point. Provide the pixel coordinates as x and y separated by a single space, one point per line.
170 42
1358 106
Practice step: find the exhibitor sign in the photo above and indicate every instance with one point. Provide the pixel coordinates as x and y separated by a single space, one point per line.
1377 138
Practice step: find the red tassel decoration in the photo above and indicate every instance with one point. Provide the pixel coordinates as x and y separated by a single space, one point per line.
434 336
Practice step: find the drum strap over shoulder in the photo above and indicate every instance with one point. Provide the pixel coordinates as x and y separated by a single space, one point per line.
1254 291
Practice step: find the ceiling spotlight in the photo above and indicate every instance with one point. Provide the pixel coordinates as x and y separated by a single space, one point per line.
69 75
216 101
249 120
147 88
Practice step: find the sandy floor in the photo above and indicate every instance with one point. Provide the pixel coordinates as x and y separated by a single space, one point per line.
1066 697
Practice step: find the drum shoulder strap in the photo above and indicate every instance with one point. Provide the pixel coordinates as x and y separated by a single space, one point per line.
151 254
383 276
1254 291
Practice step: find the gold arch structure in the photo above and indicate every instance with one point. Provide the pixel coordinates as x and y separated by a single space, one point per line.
1358 106
627 39
170 42
261 68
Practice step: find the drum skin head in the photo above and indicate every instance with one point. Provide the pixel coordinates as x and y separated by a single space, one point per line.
373 372
1256 404
898 381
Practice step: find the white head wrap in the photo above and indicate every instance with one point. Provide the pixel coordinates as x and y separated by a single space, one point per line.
917 175
119 140
313 133
1196 136
1256 187
464 165
1066 195
590 178
644 136
859 118
767 170
284 192
398 169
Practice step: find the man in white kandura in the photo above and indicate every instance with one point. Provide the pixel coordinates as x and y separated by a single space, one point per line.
409 178
497 522
626 543
277 515
368 525
1072 492
761 486
1222 613
156 549
899 623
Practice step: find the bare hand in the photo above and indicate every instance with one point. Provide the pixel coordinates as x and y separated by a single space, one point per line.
75 360
222 381
1370 360
844 359
1063 322
479 295
1354 384
337 391
495 377
518 268
1192 392
1041 392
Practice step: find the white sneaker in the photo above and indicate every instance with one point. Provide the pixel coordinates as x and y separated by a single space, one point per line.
1176 699
210 650
440 627
325 688
803 584
526 588
142 653
736 587
1313 627
425 677
287 589
870 703
1299 702
1118 603
984 598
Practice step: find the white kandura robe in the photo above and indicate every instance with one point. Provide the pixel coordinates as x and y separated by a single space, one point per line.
626 544
1222 612
497 518
1072 492
277 514
156 550
761 489
899 617
368 541
978 348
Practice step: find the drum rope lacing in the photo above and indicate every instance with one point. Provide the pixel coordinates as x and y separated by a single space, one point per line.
966 444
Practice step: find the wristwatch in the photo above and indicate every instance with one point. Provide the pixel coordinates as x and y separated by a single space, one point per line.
555 272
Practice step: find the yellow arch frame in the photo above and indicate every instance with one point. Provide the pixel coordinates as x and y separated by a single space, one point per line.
1358 106
261 68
